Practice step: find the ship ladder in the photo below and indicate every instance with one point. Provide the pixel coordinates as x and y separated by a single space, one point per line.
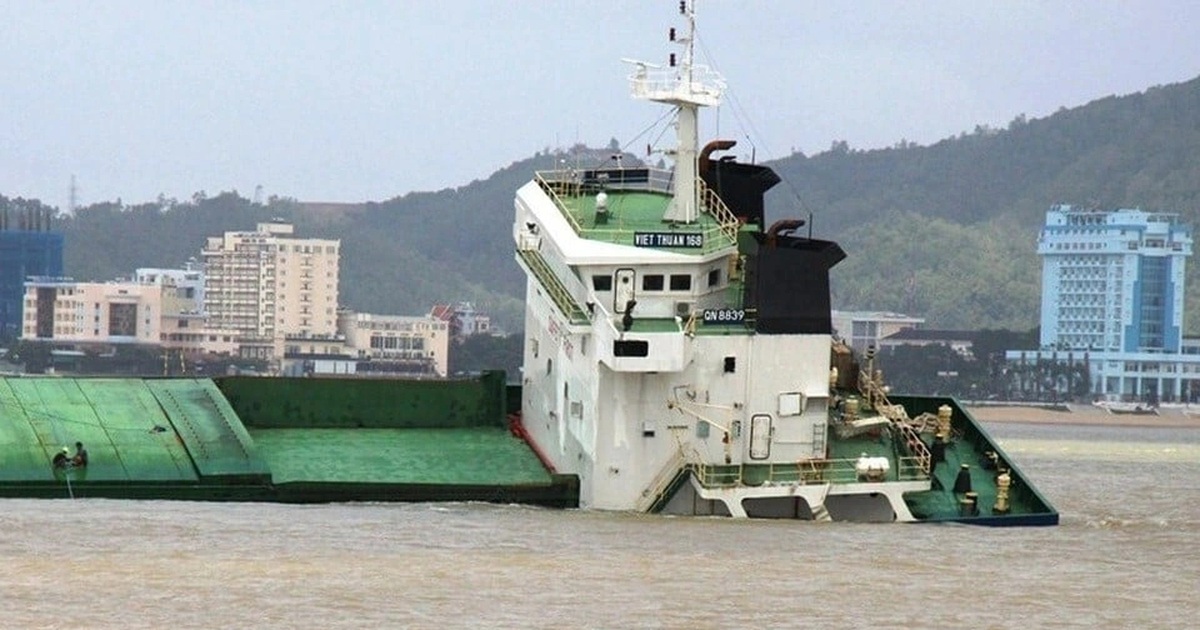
900 420
820 513
915 445
715 206
657 488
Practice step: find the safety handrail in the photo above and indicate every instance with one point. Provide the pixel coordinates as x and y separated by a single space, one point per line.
803 472
559 294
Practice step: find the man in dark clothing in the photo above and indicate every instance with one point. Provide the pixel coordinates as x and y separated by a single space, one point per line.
62 458
81 456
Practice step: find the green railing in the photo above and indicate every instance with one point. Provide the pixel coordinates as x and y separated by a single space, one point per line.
554 287
565 193
817 471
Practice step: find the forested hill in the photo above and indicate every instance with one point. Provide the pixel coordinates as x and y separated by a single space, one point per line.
949 231
946 231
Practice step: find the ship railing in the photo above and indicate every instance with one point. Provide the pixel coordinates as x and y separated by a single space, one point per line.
556 285
698 84
712 203
653 492
555 188
575 288
803 472
567 189
911 469
876 396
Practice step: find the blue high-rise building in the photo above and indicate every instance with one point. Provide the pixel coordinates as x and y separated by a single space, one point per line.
1113 281
1113 296
28 247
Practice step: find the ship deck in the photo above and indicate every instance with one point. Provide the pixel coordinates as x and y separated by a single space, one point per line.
476 455
635 211
183 439
940 503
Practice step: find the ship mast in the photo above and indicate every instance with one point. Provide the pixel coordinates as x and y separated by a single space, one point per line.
688 87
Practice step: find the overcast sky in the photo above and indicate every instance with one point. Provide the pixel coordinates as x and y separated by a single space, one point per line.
355 101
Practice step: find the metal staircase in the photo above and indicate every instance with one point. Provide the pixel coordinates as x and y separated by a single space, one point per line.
877 396
554 287
712 203
659 490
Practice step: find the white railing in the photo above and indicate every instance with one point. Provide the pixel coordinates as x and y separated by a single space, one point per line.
712 203
700 84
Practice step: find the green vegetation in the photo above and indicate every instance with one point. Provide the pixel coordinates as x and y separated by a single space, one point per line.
947 232
478 353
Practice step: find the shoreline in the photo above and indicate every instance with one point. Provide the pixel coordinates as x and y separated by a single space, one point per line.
1089 416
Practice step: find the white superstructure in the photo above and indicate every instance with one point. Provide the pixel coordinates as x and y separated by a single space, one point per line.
677 353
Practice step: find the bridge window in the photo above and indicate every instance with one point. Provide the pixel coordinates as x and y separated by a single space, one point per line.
631 348
681 282
602 283
653 282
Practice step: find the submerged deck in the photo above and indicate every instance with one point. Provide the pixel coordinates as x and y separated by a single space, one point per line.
470 456
134 431
969 445
183 439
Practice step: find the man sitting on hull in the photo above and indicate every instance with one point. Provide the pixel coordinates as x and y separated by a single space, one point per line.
63 458
81 456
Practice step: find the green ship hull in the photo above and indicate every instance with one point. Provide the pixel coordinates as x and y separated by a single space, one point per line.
270 439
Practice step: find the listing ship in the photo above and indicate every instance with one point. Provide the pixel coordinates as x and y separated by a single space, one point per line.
680 355
679 359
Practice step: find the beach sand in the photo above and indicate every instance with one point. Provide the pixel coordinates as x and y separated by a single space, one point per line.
1086 415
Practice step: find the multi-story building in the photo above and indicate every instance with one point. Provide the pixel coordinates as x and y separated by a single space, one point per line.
396 343
28 248
1113 288
863 329
184 322
267 285
82 313
1113 281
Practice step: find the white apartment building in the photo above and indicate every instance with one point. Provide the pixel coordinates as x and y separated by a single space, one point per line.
267 285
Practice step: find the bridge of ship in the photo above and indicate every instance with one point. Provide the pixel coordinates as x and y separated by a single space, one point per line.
637 200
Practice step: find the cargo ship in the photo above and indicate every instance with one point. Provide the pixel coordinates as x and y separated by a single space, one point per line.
680 355
679 358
